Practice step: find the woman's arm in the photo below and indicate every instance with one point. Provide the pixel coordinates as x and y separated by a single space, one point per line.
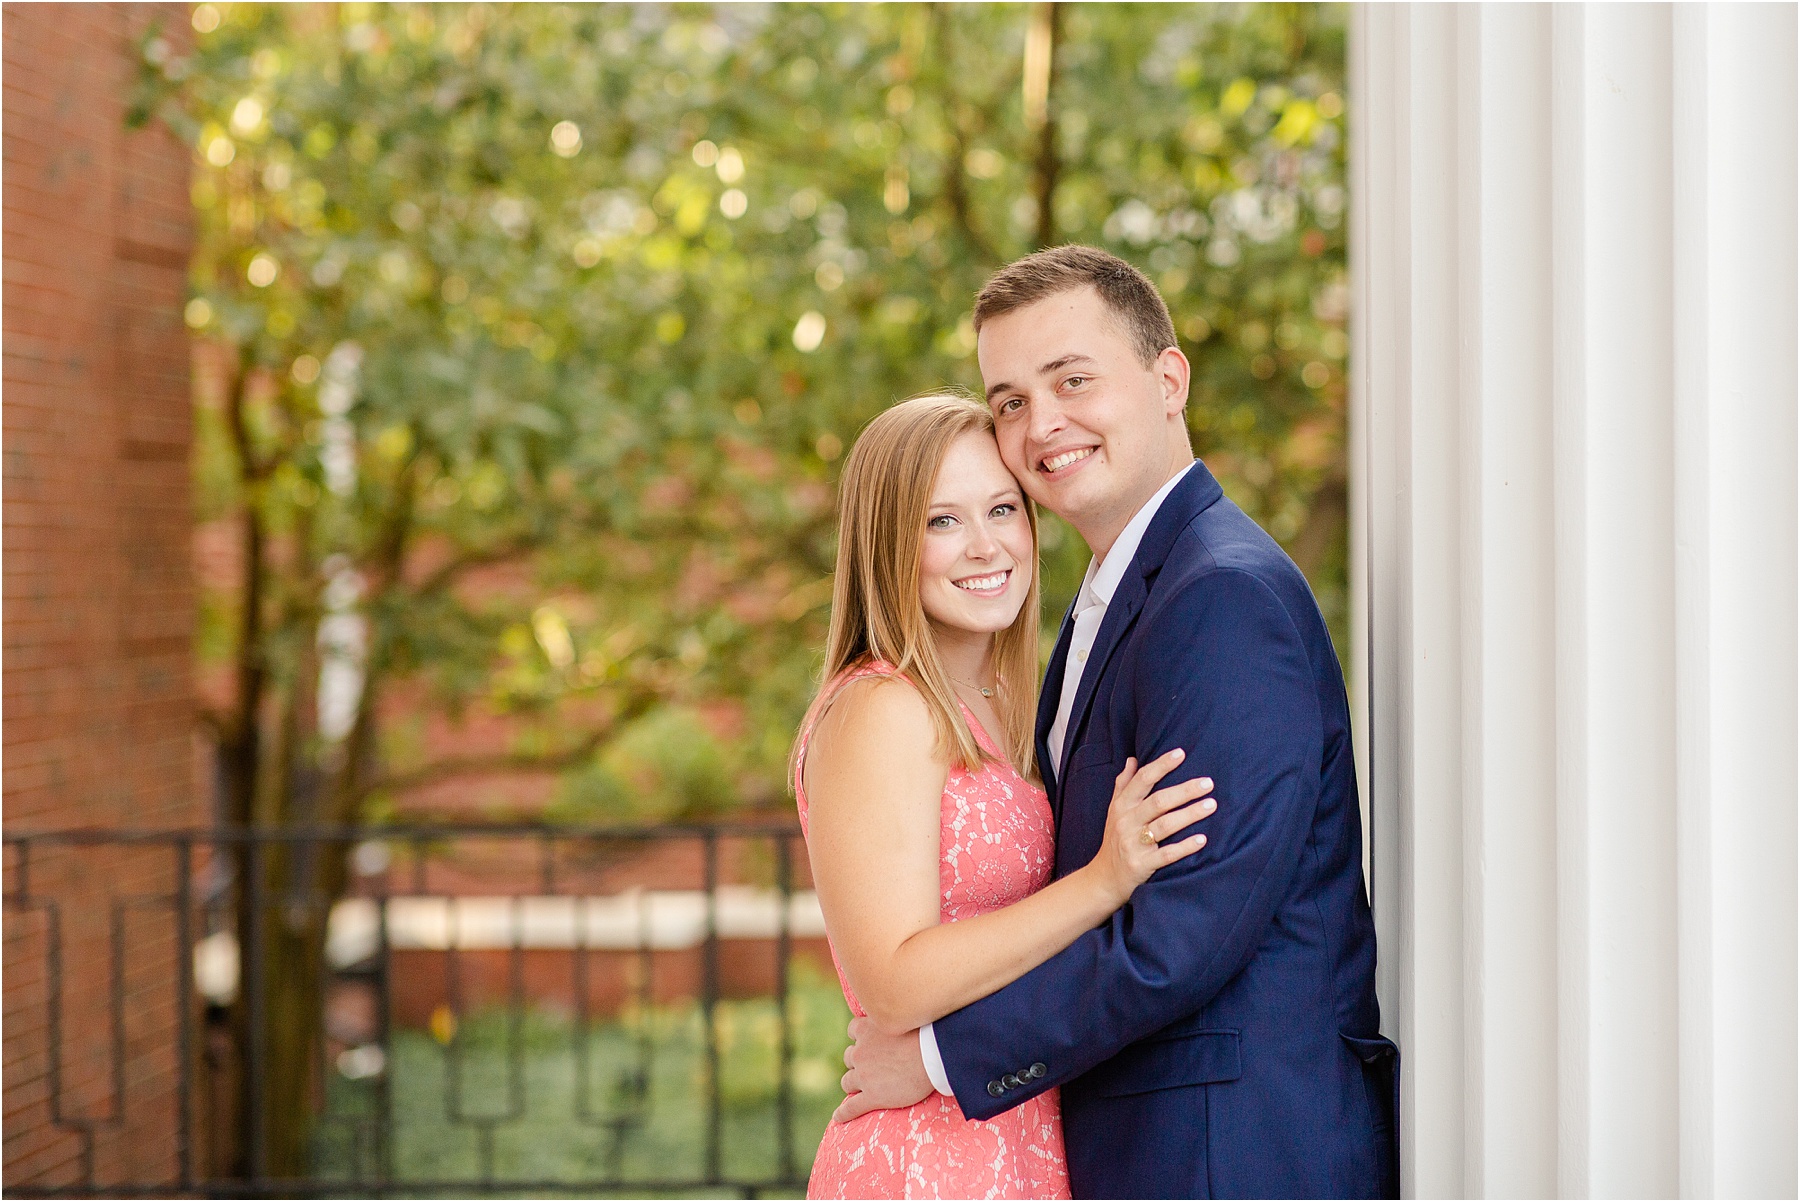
874 782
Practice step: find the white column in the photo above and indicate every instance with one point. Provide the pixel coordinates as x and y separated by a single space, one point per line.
1735 317
1507 598
1574 577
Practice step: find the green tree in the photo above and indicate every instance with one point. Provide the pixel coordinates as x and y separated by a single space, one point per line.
532 336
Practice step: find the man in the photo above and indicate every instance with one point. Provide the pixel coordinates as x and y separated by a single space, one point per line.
1219 1036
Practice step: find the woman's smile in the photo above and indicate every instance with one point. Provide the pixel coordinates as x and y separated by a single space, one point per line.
991 585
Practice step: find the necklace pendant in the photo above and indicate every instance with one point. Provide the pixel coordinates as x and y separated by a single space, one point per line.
987 692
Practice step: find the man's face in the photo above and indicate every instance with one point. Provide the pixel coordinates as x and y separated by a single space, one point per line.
1088 430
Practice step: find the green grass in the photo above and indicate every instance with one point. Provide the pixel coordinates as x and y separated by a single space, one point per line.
632 1135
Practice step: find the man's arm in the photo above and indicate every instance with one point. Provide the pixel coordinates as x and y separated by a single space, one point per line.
1223 672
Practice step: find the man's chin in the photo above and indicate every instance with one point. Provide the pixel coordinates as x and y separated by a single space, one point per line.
1068 500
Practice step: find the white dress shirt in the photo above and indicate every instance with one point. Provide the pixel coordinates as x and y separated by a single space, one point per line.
1097 589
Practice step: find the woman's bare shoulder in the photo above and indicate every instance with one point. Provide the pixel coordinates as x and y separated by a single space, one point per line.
887 707
876 723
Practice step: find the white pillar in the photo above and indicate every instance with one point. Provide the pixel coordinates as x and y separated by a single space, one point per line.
1736 107
1575 588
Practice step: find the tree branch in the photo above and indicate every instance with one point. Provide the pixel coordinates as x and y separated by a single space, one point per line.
251 468
1040 112
347 791
506 763
1326 516
956 188
487 557
240 736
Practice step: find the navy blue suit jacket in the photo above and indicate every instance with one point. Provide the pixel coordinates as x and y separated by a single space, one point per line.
1218 1037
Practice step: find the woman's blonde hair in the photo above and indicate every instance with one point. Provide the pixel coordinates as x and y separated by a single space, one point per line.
876 612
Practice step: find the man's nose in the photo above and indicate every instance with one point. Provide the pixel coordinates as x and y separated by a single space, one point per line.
1043 420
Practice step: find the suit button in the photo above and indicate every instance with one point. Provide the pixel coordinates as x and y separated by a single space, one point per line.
1011 1081
1037 1070
995 1088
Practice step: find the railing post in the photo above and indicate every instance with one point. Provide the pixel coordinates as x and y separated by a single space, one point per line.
709 1009
384 1019
784 1083
184 1007
255 1008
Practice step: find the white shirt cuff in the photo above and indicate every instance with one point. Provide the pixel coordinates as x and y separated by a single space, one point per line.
934 1061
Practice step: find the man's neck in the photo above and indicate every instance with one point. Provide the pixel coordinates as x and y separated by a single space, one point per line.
1100 541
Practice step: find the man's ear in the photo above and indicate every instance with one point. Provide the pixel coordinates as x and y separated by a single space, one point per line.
1174 372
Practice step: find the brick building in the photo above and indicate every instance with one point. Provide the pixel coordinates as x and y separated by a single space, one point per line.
99 715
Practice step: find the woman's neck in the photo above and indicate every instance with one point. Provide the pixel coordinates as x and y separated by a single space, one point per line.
966 654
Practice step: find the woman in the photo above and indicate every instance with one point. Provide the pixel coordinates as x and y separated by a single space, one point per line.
931 846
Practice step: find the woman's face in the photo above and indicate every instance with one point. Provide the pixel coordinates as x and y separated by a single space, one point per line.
976 563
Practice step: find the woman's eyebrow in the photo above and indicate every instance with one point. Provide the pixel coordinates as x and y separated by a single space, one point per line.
998 494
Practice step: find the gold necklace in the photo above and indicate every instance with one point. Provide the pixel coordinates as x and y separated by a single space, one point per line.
985 692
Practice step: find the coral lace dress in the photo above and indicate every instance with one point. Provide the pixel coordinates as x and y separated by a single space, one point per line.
997 844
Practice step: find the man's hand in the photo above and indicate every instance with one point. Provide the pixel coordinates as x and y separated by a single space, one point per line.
886 1072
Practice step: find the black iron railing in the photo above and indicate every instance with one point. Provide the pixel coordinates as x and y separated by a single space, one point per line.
473 1009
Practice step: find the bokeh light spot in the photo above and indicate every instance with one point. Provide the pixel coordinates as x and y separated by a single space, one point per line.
565 139
809 331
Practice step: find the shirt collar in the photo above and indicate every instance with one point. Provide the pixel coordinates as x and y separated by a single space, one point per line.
1102 579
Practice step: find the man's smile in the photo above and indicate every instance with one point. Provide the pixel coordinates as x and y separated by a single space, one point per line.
1049 465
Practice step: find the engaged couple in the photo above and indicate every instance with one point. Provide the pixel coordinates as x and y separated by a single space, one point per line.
1109 939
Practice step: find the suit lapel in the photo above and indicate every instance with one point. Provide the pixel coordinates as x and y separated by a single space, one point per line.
1049 697
1120 613
1195 493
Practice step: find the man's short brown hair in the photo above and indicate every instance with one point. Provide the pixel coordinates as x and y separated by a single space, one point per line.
1126 291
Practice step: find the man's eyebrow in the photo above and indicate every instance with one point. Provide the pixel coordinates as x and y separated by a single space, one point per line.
1058 364
1046 369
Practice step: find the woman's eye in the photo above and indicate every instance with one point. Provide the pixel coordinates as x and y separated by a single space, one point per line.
1004 510
942 521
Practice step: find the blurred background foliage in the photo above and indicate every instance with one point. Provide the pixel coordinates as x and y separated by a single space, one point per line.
532 338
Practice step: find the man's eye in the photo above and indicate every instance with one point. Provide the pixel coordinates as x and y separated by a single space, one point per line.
1075 381
1011 404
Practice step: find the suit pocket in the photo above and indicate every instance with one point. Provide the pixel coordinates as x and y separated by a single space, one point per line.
1090 755
1168 1062
1380 1059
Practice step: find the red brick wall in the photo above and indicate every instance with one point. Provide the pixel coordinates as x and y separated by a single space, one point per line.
99 714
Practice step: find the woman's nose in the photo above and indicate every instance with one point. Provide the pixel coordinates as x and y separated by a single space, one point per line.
982 543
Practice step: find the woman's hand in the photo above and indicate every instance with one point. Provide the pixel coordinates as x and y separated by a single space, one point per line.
1140 820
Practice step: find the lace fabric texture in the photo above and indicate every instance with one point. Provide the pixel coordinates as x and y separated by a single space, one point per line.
997 845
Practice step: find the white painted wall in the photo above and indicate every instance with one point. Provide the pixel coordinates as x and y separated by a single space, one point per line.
1577 588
